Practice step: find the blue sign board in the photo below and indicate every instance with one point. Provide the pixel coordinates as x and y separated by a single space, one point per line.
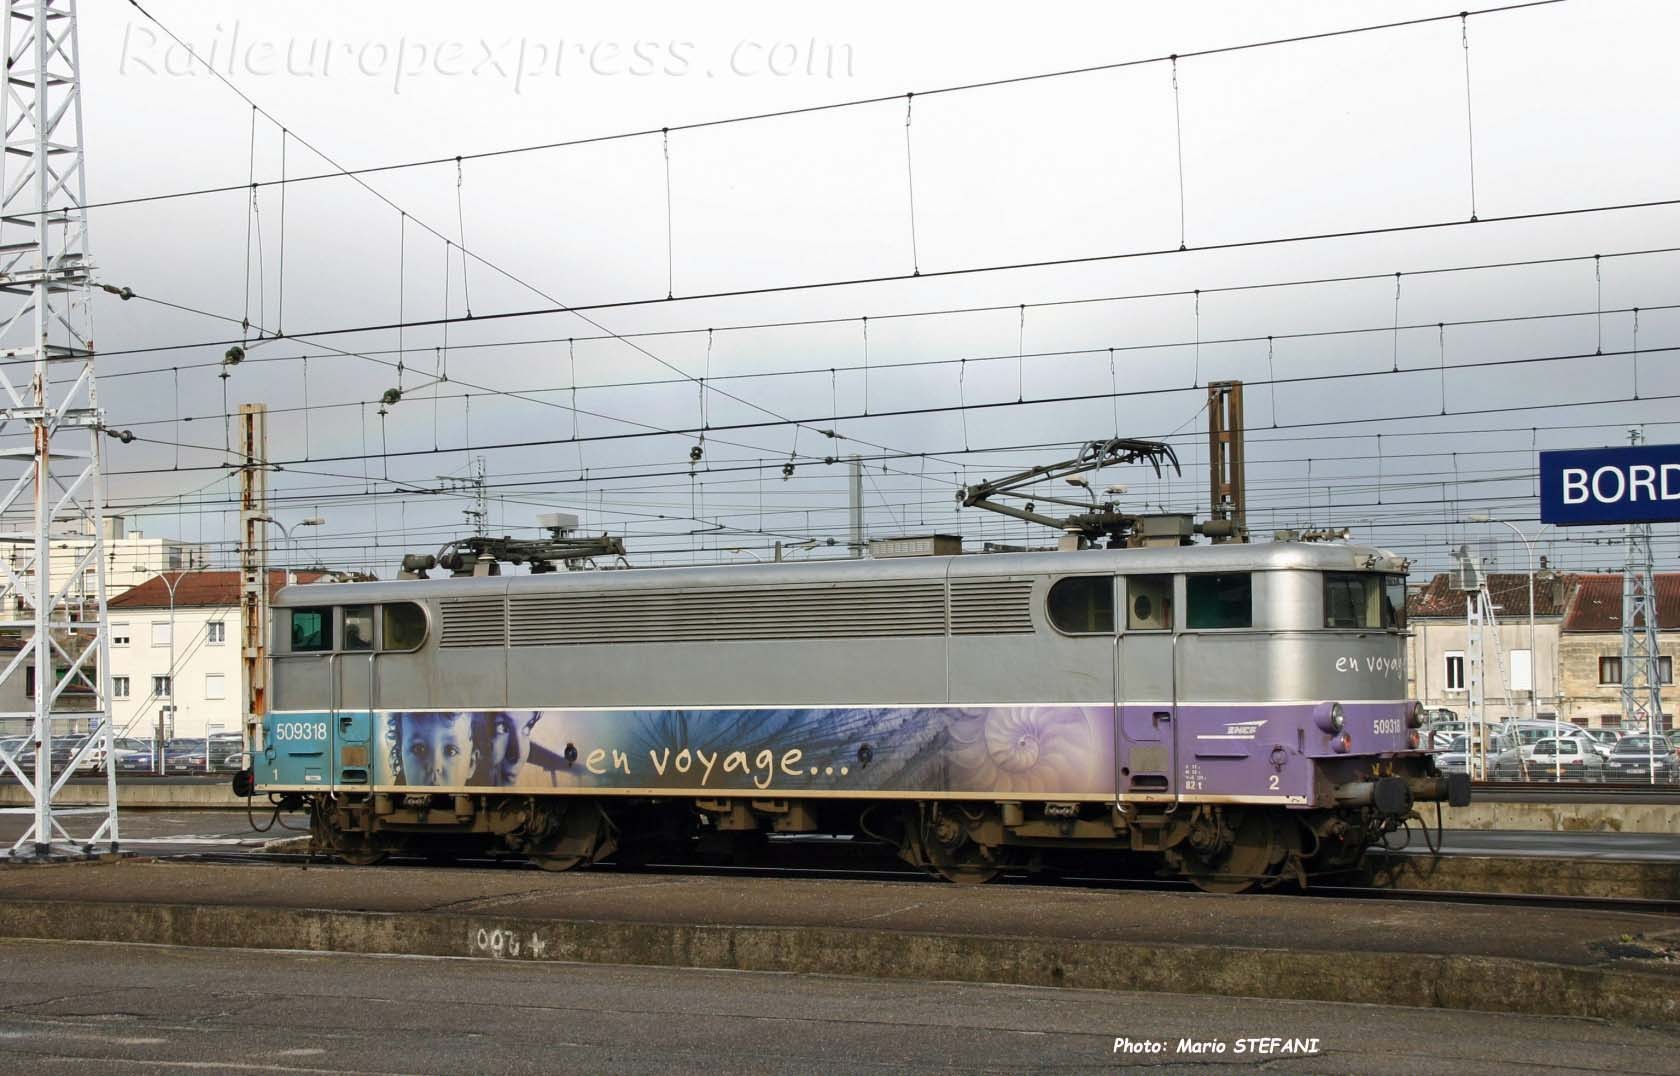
1636 484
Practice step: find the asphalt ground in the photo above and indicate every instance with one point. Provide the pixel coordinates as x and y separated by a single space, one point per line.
84 1007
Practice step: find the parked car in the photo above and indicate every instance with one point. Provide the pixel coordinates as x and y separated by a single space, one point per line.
1641 759
137 759
94 760
185 756
1455 756
1441 735
17 748
1568 758
227 751
1529 733
1606 737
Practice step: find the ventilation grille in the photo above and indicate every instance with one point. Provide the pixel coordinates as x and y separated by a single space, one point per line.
991 607
816 611
473 622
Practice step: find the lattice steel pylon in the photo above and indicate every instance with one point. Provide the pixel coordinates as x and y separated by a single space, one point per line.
1641 671
58 626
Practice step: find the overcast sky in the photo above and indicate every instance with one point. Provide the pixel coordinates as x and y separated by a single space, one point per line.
1573 107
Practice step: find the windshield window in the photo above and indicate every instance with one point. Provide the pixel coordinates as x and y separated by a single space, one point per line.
1220 601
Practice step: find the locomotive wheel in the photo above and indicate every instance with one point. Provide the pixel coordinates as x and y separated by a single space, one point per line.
969 864
360 857
950 852
1257 850
578 835
351 846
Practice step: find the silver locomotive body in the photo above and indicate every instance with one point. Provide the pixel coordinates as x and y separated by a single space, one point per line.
1237 708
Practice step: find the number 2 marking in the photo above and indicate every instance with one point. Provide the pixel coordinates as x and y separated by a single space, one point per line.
1272 783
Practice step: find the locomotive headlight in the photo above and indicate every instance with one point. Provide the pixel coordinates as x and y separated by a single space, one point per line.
1414 719
1413 740
1329 717
1342 744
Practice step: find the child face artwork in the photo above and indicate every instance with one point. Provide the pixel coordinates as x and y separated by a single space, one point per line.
437 749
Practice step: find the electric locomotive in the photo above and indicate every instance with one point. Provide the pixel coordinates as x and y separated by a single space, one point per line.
1236 712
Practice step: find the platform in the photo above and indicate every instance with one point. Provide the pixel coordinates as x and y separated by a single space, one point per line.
1607 964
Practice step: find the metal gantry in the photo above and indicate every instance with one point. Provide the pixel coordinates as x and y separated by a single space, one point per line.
57 624
1480 621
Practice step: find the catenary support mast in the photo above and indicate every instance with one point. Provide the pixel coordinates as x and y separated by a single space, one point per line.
253 566
49 434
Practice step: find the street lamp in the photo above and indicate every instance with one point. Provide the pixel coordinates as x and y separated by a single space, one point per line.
312 521
1533 654
170 586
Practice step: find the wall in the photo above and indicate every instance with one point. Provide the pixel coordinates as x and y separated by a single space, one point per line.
1432 639
1592 701
195 658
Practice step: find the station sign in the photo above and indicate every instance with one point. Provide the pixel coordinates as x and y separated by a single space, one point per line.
1596 486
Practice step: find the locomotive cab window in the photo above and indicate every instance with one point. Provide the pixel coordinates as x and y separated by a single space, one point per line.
358 627
1362 600
1225 600
1394 601
1083 604
1149 602
405 626
312 630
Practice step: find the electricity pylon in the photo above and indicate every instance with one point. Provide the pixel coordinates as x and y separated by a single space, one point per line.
58 624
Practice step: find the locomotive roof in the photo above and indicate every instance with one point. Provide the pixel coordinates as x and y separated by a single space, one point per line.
1265 556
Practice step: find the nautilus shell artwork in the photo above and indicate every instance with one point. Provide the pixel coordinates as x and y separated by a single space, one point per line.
1026 749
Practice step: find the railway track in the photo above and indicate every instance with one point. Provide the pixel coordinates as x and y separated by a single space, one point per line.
881 869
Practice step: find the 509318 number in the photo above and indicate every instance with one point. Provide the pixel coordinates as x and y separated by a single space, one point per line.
1386 726
300 730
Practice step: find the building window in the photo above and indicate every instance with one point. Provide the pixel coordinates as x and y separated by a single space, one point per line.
1522 670
162 632
1220 601
1455 670
1081 605
119 687
160 687
1610 670
215 686
119 634
215 631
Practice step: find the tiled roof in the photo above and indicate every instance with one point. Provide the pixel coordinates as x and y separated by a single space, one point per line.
1598 603
1509 591
212 589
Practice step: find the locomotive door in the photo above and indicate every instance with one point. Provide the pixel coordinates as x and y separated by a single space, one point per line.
354 699
1145 689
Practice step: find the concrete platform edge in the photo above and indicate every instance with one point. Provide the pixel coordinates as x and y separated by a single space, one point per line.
1494 984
